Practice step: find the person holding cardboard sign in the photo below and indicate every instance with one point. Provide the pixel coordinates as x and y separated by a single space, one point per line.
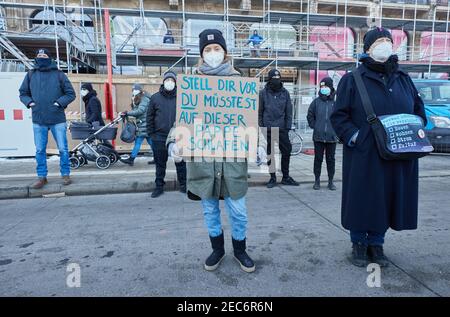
211 180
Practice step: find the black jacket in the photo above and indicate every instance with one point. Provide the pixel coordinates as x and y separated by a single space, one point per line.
275 108
161 114
93 108
318 117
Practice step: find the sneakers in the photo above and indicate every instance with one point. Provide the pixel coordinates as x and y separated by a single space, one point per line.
272 182
66 180
359 255
158 191
316 184
289 181
213 261
331 185
129 161
245 262
376 255
41 182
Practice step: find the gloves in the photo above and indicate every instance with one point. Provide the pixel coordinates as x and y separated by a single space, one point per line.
124 114
261 156
174 153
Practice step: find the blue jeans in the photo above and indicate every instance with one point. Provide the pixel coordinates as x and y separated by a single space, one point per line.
367 238
138 143
237 215
41 140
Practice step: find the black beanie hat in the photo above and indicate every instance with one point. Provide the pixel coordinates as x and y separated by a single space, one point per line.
274 72
87 86
211 36
43 51
371 36
327 81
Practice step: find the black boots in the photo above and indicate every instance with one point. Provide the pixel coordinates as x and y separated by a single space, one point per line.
158 191
376 255
245 262
317 184
213 261
289 181
359 255
362 255
129 161
217 243
331 185
273 181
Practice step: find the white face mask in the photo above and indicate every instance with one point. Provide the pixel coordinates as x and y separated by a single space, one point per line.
136 92
381 52
214 59
84 92
169 85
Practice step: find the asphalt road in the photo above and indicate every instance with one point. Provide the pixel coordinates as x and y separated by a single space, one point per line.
130 245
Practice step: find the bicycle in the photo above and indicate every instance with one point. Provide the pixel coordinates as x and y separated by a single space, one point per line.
297 142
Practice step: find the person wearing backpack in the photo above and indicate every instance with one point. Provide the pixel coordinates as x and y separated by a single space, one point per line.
47 92
139 106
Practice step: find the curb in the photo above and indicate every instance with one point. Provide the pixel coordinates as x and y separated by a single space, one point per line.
78 189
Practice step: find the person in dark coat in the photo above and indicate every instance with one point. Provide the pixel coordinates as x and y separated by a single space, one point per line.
93 107
376 194
168 38
324 137
47 91
275 114
160 119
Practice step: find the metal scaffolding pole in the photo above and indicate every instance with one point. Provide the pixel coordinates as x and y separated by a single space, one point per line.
432 43
414 33
345 27
55 23
446 32
67 42
184 40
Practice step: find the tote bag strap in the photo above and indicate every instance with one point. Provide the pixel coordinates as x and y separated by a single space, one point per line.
367 104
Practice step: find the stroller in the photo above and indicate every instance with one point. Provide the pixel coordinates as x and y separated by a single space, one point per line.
95 146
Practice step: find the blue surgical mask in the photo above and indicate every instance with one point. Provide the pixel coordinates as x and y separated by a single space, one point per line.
43 62
325 91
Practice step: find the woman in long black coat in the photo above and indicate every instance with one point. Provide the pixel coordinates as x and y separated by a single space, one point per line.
92 104
377 194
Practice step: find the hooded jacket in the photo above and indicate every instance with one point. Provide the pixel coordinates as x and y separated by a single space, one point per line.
46 86
161 114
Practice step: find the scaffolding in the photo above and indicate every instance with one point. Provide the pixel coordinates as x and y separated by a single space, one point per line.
323 36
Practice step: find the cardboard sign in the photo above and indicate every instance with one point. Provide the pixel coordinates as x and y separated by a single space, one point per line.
217 117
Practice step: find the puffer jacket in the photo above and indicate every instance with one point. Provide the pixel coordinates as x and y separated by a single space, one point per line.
140 113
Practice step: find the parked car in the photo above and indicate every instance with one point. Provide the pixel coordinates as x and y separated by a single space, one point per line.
436 96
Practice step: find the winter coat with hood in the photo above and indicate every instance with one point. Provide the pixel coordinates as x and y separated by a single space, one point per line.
46 86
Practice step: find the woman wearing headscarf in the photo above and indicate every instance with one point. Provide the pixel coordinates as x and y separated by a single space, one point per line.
377 194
